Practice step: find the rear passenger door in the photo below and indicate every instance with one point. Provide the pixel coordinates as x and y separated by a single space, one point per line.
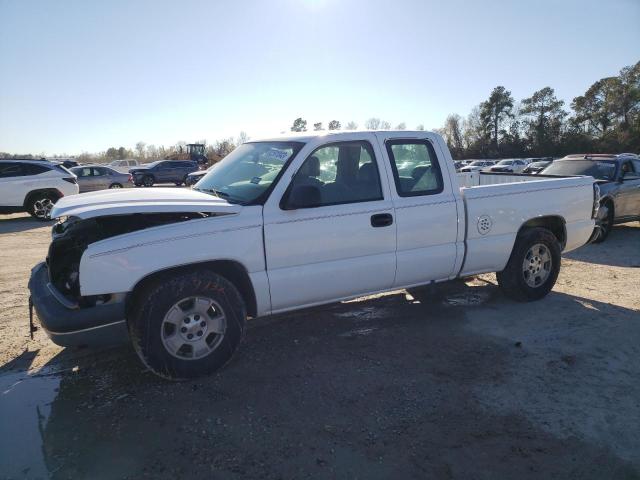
339 240
100 178
429 243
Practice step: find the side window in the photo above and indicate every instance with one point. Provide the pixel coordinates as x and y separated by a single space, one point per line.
84 172
636 166
98 171
32 169
415 167
10 169
343 172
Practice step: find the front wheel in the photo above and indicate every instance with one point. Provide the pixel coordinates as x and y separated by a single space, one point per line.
187 325
115 185
533 268
604 222
147 181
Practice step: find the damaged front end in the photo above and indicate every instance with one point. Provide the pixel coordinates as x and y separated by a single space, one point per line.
72 236
67 317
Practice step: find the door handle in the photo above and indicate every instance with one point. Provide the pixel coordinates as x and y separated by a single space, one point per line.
381 220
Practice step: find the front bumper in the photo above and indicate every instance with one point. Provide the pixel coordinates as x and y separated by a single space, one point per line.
66 324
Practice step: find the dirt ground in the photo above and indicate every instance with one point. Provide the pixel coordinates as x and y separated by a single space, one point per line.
471 385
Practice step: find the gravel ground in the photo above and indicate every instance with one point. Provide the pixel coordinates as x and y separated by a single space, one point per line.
471 385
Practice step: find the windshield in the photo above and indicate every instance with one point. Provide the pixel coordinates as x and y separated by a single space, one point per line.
505 162
604 170
246 174
477 164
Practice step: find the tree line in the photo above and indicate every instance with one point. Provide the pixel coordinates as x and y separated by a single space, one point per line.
605 119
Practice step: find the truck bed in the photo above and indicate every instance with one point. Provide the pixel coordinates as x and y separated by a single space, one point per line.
496 204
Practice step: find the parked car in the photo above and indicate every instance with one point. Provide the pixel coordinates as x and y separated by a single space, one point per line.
124 165
163 171
536 166
33 187
99 177
477 165
195 177
618 177
508 165
287 223
66 163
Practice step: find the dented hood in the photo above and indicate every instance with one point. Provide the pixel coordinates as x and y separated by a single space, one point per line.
140 200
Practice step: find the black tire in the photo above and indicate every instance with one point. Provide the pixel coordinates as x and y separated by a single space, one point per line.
148 181
156 300
39 205
604 222
178 184
513 280
115 185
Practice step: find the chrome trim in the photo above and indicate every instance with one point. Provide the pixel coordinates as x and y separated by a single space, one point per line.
85 329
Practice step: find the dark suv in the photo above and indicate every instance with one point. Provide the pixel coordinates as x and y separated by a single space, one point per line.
163 171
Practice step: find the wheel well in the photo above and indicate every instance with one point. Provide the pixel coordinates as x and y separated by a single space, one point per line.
608 200
52 191
229 269
554 224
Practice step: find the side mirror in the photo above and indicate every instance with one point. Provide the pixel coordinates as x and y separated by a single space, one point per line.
302 196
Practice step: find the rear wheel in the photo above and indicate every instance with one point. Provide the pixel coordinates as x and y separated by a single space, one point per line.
39 205
604 222
187 325
533 267
148 181
115 185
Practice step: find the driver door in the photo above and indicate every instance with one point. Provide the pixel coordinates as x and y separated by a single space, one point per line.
628 205
341 243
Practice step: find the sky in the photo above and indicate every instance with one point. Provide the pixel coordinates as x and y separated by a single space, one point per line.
82 76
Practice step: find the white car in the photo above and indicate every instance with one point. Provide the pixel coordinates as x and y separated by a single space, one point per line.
508 166
477 165
34 186
124 165
288 223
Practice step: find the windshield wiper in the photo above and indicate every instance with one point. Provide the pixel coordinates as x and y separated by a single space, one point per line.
219 194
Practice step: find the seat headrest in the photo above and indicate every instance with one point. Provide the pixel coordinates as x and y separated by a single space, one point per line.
367 173
311 167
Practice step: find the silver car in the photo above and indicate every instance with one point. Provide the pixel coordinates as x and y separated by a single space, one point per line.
99 177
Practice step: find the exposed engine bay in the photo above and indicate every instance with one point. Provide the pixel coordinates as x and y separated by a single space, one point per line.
72 236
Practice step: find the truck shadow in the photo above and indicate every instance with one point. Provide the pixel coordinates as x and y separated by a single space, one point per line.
620 249
383 386
17 223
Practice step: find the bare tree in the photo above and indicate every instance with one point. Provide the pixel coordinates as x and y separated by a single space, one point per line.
242 138
384 125
140 149
372 124
420 127
352 125
452 133
401 126
317 126
299 125
334 125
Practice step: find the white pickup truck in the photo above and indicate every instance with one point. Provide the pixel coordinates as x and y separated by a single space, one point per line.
288 223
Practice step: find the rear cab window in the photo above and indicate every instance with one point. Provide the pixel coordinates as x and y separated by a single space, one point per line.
415 167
